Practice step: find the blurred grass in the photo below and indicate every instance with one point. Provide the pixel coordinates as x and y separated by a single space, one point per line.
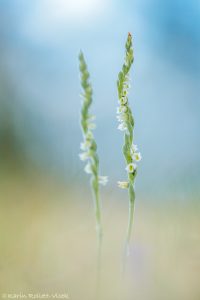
48 243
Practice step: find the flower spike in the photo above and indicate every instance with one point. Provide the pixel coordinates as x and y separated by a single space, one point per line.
126 124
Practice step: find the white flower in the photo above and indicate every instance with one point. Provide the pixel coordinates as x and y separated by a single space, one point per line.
124 109
84 146
119 119
122 127
91 126
137 156
121 109
92 117
88 169
122 118
134 148
130 168
118 109
103 180
84 156
123 184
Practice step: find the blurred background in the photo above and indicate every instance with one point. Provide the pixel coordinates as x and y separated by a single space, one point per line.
47 232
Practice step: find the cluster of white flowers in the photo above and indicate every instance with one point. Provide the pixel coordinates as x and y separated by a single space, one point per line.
136 157
89 154
89 146
123 116
122 112
126 124
132 166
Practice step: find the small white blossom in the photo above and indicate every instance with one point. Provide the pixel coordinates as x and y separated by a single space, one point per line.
92 117
122 118
122 109
84 156
119 118
88 169
91 126
103 180
134 148
130 168
137 156
123 184
122 127
84 146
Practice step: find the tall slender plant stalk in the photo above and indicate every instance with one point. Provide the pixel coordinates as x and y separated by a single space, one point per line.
89 148
126 120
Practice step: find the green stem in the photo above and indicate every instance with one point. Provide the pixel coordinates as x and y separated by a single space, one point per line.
131 213
99 235
130 224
